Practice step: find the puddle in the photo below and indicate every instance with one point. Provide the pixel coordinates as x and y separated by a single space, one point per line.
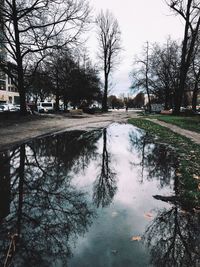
104 198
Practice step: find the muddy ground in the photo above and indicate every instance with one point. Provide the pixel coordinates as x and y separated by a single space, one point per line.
18 131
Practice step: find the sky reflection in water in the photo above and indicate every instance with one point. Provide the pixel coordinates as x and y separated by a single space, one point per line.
77 199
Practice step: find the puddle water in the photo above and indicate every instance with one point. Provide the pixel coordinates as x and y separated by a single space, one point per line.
105 198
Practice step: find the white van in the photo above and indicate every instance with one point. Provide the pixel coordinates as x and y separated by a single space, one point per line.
45 107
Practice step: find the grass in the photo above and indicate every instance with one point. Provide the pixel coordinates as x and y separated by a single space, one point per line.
188 156
188 123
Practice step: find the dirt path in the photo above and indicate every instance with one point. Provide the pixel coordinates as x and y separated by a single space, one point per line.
20 132
24 131
195 137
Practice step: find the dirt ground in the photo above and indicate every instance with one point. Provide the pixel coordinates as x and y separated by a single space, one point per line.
18 131
21 131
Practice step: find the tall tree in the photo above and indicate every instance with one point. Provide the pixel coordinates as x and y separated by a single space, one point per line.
164 69
33 27
189 10
140 75
109 37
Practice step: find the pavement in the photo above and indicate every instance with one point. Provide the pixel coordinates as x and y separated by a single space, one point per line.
195 137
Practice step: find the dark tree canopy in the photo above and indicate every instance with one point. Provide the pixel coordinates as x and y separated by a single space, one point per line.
32 28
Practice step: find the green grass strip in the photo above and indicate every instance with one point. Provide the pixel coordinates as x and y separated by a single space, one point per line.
188 123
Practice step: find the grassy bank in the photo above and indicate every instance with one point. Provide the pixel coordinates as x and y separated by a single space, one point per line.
188 155
188 123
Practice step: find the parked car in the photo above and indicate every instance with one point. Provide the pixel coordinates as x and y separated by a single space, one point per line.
4 107
8 107
45 107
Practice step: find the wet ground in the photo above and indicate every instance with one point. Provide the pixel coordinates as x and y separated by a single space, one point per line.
103 198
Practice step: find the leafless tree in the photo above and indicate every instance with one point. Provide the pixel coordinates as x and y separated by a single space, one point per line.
109 37
140 74
31 28
189 10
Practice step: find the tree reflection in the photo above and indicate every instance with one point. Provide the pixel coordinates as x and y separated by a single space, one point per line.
4 185
105 185
157 160
46 211
174 237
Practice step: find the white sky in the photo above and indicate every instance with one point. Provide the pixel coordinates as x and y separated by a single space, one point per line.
139 21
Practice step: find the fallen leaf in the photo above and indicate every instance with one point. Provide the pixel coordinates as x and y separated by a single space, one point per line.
199 186
184 212
114 214
148 215
196 177
136 238
178 174
197 209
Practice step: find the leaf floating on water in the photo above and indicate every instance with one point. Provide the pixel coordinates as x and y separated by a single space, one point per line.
184 212
114 214
197 209
136 238
196 177
148 215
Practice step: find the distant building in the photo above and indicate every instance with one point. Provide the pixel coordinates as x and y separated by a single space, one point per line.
8 91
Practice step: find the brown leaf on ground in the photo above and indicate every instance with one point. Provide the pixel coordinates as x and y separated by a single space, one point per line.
148 215
196 177
136 238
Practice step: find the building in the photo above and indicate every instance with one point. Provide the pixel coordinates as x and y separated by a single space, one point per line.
8 91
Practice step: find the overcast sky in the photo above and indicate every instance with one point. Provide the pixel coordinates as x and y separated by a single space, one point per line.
139 21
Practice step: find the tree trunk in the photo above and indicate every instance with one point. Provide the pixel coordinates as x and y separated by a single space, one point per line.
20 71
57 92
57 101
105 95
21 188
179 92
22 92
147 79
167 98
194 97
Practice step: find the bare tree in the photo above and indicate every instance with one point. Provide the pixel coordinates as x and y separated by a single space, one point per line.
189 10
33 27
140 74
109 37
164 69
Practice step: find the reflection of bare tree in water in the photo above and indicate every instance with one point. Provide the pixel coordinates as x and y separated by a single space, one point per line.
4 184
105 184
156 159
174 237
46 211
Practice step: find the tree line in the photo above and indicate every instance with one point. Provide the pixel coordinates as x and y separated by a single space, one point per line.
71 79
171 71
37 39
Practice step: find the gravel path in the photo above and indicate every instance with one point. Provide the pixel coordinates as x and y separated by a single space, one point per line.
195 137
